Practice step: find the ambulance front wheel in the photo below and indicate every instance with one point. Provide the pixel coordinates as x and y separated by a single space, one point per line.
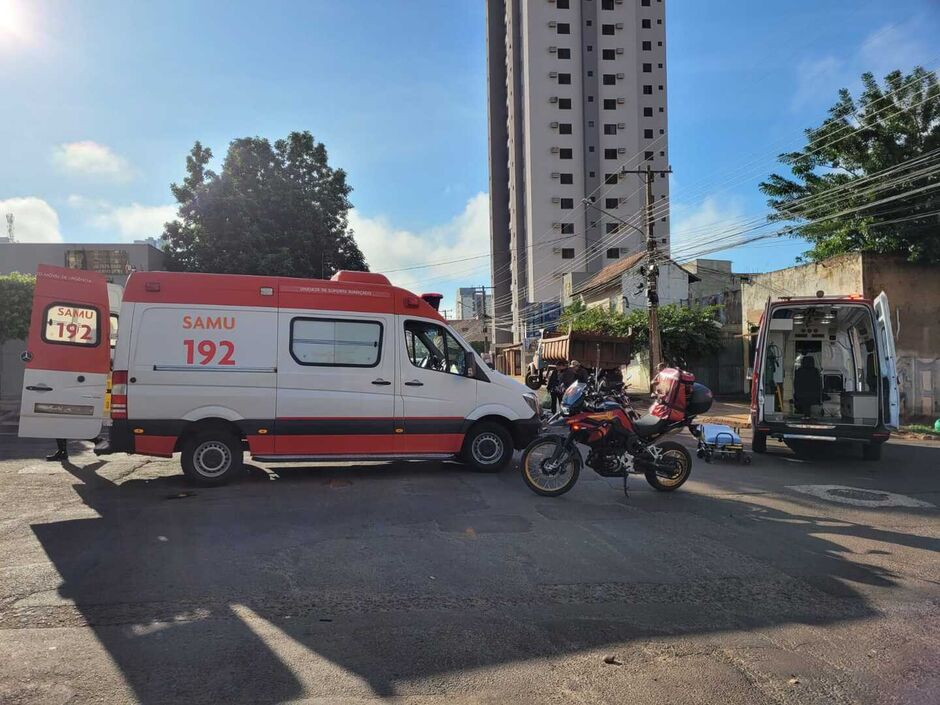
487 447
212 457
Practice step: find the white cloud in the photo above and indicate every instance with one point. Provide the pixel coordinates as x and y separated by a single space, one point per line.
695 226
34 220
465 239
817 80
893 47
131 222
92 159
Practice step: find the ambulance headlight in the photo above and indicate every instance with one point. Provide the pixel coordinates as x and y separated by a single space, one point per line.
533 401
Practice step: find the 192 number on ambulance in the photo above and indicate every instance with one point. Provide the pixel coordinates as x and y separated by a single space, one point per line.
222 353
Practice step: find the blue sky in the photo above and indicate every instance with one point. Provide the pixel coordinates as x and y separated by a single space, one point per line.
103 99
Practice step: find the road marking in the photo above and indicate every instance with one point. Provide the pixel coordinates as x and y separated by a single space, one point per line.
858 497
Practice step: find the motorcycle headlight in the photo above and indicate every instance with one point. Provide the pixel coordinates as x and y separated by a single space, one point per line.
533 401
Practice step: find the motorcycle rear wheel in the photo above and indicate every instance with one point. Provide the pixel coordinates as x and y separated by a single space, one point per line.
546 482
676 452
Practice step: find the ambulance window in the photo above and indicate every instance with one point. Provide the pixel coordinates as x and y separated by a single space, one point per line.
335 343
431 347
71 324
112 331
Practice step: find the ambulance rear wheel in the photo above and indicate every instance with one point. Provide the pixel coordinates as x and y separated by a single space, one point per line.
487 447
212 457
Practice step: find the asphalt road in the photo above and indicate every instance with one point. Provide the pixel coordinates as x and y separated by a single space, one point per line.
427 583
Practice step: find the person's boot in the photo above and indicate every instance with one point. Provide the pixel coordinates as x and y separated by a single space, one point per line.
58 455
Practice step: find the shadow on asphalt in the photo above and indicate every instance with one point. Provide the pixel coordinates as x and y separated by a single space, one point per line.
175 580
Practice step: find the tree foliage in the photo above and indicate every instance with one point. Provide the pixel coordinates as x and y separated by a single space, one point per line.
887 126
686 333
276 209
16 293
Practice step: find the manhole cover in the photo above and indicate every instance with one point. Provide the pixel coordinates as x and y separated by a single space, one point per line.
859 494
860 498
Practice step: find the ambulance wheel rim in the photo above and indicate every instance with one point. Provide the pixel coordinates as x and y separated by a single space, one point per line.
212 458
487 448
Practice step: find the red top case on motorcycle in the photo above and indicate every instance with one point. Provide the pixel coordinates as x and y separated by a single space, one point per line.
672 388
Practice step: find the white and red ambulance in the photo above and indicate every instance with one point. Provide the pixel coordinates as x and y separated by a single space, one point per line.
209 365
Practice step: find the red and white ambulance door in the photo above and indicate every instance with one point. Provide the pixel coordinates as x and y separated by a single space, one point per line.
67 356
336 383
887 353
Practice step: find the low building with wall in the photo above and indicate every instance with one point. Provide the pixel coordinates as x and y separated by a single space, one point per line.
913 292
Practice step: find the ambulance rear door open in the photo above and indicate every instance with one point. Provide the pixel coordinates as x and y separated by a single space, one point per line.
67 356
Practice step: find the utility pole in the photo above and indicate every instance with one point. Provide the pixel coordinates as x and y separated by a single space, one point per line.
652 267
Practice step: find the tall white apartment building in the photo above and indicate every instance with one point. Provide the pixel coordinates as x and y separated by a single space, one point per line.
577 92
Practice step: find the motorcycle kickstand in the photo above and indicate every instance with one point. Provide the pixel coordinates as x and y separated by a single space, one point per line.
626 475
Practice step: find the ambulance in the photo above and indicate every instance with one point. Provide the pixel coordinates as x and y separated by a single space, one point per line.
212 365
825 370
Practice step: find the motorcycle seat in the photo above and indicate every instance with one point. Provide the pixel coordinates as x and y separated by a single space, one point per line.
649 425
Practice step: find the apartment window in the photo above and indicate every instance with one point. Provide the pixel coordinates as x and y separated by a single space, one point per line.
647 90
590 48
613 253
610 103
647 68
607 4
567 253
610 128
647 24
590 73
564 128
611 203
565 153
564 103
563 53
645 3
566 204
589 23
610 79
609 54
566 178
333 342
590 99
610 179
563 28
591 148
591 174
647 112
648 156
647 46
608 29
590 123
611 228
565 78
567 228
561 4
610 154
648 134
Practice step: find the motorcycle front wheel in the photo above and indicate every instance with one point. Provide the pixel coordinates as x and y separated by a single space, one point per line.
679 462
541 475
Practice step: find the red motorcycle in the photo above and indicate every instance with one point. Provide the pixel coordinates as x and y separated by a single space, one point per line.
620 443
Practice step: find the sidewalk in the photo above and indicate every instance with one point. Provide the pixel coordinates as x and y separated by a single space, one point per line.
730 413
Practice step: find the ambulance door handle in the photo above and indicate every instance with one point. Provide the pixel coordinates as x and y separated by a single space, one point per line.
39 388
380 381
414 383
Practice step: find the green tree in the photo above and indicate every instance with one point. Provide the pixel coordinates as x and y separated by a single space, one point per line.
276 209
887 126
686 333
16 293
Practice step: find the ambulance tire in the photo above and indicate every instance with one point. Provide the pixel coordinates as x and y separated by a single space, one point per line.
487 447
212 457
759 442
